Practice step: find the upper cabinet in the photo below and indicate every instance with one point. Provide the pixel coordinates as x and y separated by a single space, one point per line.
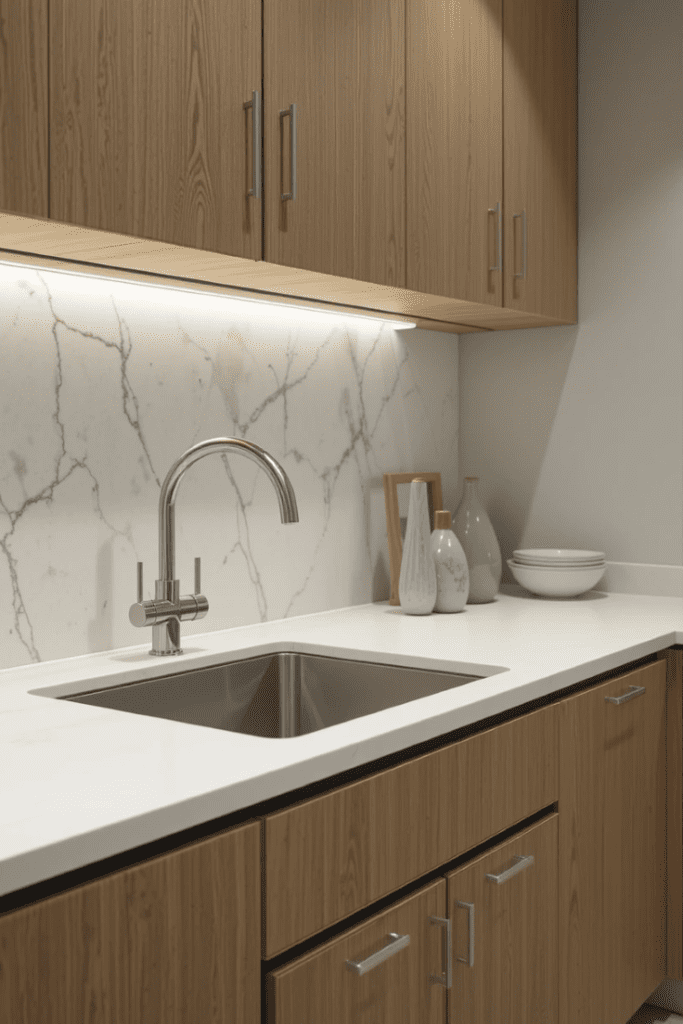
334 83
149 132
540 119
413 156
455 148
491 144
23 107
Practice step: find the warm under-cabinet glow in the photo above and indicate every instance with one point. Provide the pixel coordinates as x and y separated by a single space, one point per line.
205 301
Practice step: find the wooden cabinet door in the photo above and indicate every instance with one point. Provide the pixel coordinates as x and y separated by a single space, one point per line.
23 107
173 940
321 987
148 131
505 932
540 156
342 63
612 848
454 143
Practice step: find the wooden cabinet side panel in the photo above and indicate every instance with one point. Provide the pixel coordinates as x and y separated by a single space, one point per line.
172 940
329 857
540 155
514 975
612 848
454 147
674 812
319 986
149 136
343 65
23 107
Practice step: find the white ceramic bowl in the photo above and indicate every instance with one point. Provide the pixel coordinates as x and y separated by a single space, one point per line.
557 556
556 582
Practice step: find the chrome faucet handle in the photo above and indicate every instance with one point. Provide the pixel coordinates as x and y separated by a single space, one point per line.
197 575
139 582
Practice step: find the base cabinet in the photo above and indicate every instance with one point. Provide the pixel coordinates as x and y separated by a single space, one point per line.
503 906
381 971
173 940
613 847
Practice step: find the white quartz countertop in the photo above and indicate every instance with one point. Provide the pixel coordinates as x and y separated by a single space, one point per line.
79 783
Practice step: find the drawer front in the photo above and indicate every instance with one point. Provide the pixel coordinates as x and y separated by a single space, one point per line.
503 906
331 856
320 986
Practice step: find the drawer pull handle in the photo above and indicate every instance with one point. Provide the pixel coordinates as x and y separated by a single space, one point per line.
520 863
633 691
397 943
446 978
469 959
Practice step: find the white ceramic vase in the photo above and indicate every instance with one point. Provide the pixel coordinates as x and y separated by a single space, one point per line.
417 581
473 529
450 563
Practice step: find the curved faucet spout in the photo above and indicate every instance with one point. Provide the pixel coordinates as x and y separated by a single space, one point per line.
215 446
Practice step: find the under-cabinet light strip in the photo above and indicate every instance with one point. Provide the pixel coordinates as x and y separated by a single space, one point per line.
265 305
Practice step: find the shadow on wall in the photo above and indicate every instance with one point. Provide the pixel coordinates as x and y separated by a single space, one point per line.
518 378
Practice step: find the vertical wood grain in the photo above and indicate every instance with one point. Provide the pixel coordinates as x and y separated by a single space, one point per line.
454 145
319 987
172 940
674 812
23 107
332 855
343 64
514 975
149 136
612 848
540 155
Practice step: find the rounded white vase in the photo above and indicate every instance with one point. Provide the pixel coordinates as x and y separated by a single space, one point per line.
417 581
473 529
450 563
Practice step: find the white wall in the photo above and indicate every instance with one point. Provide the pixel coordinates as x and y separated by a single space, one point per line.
577 432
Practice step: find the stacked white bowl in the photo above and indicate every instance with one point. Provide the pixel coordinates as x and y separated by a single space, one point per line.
557 572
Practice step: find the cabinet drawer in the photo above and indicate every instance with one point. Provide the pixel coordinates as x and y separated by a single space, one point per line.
328 857
320 986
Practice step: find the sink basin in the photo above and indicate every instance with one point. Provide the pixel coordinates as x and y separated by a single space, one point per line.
276 695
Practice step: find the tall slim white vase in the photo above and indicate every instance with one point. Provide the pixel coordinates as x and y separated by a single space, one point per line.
417 581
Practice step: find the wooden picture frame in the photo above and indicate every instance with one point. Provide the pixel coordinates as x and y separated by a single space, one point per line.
435 500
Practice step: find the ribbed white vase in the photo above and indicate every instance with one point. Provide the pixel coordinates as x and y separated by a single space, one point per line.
417 582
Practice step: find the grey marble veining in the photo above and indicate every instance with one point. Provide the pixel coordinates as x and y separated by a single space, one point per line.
104 384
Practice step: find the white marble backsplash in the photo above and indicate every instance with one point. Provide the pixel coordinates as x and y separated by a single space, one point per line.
105 383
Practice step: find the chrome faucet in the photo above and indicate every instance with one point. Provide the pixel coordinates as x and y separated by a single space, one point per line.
168 609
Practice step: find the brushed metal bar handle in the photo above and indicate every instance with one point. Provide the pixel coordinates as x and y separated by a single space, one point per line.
496 210
469 959
197 575
397 943
515 216
291 113
139 582
446 978
520 863
255 104
633 691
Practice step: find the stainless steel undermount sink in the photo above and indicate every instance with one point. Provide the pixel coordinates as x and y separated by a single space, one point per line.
277 695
